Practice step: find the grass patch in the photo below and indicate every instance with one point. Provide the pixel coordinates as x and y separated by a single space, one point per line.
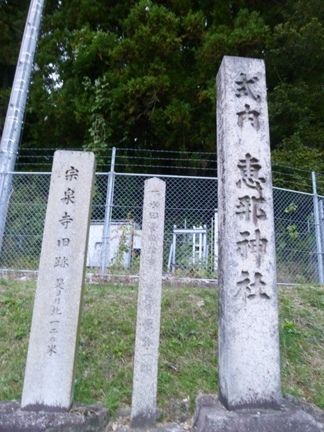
188 362
302 342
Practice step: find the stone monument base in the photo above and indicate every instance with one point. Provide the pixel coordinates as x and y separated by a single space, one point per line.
292 416
81 418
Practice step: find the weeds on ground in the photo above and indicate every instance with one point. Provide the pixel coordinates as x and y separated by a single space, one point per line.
302 342
188 358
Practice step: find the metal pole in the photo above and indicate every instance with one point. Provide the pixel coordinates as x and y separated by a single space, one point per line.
174 249
104 258
317 231
321 211
16 108
205 246
200 247
215 241
194 247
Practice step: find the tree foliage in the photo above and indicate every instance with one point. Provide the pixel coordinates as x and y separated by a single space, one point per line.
141 74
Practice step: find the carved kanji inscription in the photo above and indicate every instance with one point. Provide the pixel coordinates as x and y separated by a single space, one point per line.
256 245
244 87
252 286
249 168
250 208
250 116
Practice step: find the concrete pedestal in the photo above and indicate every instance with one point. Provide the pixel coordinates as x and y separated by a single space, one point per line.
81 418
291 416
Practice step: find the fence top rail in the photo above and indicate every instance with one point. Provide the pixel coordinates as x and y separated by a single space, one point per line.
116 173
26 173
31 173
294 191
164 176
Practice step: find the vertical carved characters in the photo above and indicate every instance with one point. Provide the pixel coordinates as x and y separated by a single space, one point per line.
250 207
152 249
49 375
245 88
249 366
61 261
149 302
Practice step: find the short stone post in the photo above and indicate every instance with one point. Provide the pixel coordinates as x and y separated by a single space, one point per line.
143 411
249 365
49 371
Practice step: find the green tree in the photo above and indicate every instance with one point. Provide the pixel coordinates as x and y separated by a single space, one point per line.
142 74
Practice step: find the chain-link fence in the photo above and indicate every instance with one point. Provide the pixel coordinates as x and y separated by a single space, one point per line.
190 243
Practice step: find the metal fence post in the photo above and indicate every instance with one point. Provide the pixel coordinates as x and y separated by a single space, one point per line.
321 213
317 231
104 257
5 192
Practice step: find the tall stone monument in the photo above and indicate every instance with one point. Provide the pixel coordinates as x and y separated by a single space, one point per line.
249 365
49 371
249 360
149 305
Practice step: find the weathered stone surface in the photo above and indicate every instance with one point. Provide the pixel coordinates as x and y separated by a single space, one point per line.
143 411
81 418
212 416
249 366
49 371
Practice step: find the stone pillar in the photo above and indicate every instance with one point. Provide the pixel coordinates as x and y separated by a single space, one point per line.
148 307
249 365
49 371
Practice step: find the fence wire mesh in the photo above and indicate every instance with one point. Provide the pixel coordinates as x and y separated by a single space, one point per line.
190 243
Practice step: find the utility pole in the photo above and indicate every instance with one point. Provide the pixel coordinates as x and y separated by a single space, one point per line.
16 108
